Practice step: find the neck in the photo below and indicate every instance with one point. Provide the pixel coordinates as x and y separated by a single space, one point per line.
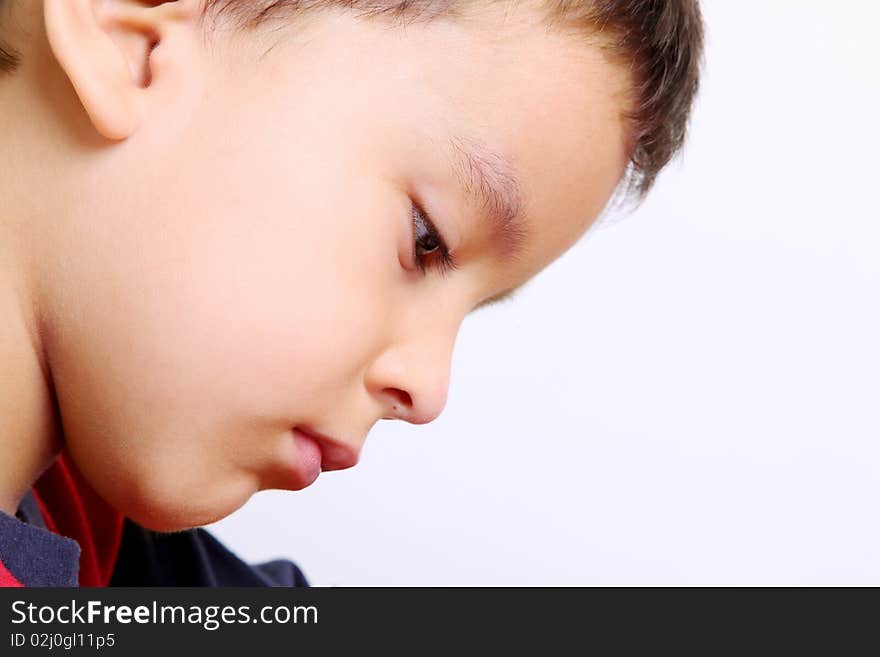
30 428
30 436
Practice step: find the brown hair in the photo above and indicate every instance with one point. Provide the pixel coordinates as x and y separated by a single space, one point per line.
659 41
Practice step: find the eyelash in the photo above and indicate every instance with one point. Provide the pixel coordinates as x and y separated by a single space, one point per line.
443 264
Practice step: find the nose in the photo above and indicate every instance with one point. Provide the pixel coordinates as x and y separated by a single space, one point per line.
411 378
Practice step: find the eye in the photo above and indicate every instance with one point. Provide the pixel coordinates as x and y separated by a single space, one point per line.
428 244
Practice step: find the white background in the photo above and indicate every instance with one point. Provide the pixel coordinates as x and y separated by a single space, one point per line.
691 395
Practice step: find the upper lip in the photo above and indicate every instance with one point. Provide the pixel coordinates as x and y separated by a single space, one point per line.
335 454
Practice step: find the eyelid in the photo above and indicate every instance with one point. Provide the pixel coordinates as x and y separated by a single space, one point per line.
432 226
443 260
440 205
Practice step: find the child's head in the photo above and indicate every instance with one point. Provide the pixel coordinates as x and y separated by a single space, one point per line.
216 207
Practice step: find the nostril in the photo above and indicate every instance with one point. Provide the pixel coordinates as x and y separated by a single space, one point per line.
401 402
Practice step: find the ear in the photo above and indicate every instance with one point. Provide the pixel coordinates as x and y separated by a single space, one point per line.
105 48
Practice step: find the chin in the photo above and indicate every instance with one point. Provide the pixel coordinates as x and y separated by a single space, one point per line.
162 496
165 519
180 508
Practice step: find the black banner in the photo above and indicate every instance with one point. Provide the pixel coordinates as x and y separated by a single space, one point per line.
248 621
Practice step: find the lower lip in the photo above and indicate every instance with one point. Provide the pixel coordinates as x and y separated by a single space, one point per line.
308 456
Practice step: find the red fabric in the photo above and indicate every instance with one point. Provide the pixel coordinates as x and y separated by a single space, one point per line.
72 508
7 578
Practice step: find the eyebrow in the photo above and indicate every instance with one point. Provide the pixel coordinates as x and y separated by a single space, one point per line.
490 182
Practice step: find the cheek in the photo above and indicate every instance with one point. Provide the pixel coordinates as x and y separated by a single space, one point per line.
199 329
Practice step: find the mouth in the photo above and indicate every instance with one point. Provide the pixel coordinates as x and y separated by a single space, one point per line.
324 453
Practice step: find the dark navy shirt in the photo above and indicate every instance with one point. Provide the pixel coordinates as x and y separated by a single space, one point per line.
31 554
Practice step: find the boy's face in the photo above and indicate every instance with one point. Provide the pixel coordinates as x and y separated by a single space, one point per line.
242 264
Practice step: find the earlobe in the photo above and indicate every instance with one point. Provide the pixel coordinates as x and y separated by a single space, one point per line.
105 48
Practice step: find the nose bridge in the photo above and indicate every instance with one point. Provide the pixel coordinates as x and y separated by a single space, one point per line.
411 375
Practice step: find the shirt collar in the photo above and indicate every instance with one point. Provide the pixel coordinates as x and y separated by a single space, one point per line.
34 555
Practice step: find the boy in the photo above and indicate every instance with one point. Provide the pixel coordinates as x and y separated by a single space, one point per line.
234 235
